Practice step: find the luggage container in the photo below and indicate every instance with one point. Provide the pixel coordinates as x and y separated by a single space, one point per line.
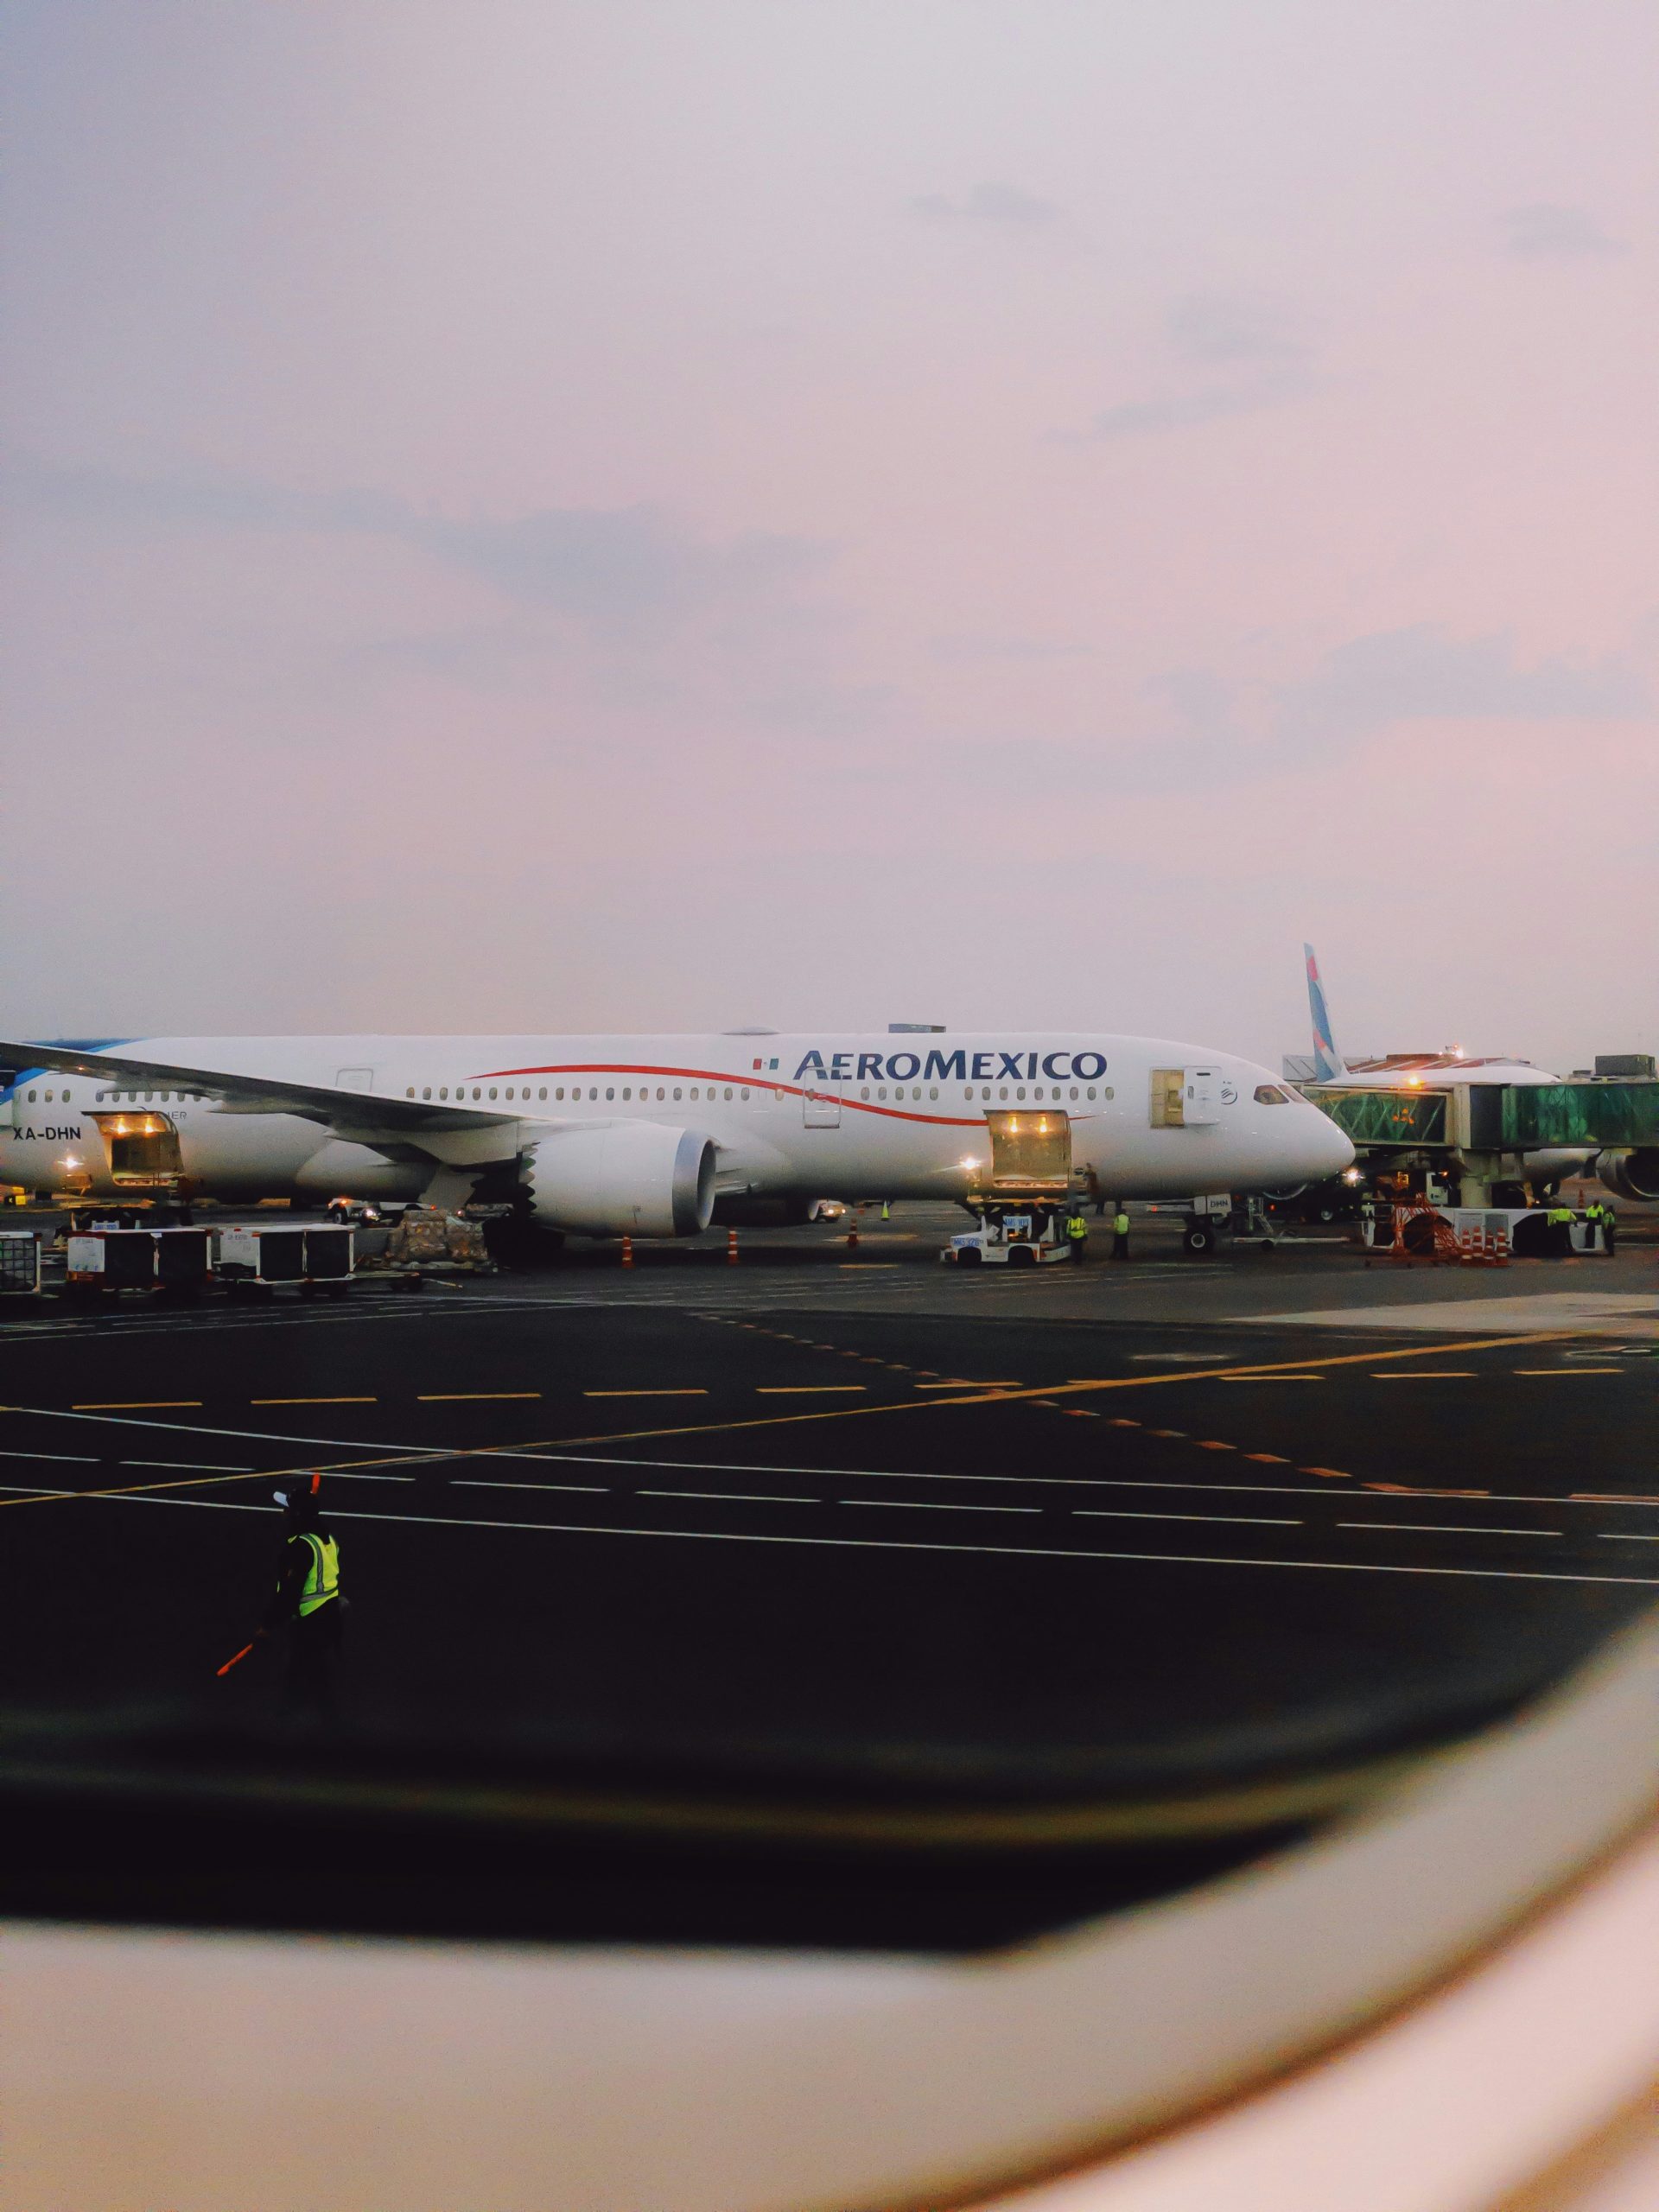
317 1261
102 1260
20 1263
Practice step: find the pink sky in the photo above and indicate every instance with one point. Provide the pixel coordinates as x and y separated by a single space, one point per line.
528 516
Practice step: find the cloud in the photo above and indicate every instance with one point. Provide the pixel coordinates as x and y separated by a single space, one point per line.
1212 733
608 566
1004 206
1545 231
1261 360
1221 327
1186 410
1423 673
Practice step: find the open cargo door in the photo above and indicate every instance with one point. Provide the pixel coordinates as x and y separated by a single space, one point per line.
1031 1155
144 1149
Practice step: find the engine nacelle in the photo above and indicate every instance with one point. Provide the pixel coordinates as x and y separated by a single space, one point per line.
639 1179
1632 1174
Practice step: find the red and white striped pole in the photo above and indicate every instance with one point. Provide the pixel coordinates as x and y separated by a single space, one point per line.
628 1251
731 1248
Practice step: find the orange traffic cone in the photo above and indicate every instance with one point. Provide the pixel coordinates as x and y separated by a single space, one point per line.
731 1248
628 1251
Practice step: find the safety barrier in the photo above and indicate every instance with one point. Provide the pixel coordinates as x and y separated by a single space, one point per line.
1436 1240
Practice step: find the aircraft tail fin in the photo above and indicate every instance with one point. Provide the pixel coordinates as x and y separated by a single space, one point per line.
1328 1063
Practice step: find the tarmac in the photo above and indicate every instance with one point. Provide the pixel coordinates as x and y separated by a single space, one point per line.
712 1575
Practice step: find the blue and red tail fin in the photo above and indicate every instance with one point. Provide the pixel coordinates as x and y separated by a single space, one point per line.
1328 1064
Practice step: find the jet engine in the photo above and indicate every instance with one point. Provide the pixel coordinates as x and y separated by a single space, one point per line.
642 1179
1632 1174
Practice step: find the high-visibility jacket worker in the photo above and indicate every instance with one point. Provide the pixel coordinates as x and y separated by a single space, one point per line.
308 1603
1120 1235
1077 1232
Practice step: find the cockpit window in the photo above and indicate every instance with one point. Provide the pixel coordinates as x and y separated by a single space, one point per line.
1268 1094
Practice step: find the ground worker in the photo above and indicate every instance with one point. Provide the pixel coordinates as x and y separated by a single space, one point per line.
1368 1217
1609 1228
1559 1221
1077 1234
1120 1234
308 1602
887 1210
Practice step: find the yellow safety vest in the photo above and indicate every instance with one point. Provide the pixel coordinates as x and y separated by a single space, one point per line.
322 1576
1120 1224
1076 1228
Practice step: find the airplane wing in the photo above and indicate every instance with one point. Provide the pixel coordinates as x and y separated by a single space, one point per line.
360 1116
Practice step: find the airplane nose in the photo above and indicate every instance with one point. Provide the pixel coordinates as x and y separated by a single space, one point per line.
1330 1146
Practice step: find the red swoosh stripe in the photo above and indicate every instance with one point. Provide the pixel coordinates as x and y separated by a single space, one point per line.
748 1083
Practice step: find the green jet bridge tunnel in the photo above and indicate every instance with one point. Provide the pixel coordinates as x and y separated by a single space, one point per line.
1490 1131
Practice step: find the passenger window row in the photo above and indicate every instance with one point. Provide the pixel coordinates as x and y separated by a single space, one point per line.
120 1097
522 1092
1056 1091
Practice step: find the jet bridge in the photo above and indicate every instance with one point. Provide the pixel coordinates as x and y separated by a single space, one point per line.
1496 1133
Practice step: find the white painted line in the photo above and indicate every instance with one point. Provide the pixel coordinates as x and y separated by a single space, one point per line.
598 1489
932 1505
1445 1528
1113 1512
732 1496
204 1467
1566 1370
1056 1482
1624 1536
917 1544
80 1459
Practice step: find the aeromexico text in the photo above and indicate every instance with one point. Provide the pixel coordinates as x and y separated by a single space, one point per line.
962 1066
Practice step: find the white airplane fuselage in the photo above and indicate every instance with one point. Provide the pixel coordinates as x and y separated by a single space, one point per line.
887 1115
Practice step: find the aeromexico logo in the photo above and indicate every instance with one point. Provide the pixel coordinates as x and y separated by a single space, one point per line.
960 1066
